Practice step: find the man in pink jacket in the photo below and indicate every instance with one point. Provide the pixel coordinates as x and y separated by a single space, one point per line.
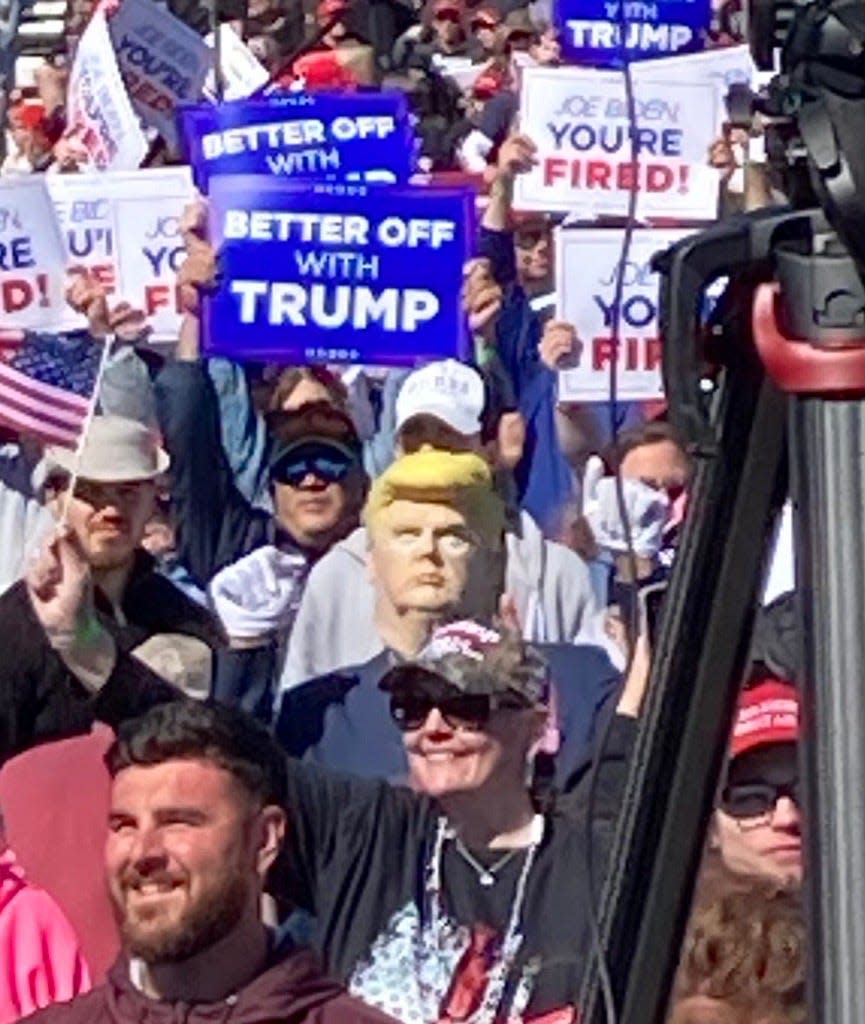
40 959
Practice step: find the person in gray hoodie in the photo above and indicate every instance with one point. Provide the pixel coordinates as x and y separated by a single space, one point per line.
445 405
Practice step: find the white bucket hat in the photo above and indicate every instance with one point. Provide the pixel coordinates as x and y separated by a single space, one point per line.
116 450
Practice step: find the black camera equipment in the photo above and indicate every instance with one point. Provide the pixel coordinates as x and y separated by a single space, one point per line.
785 418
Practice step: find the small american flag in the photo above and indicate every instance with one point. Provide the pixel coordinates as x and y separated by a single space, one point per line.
47 384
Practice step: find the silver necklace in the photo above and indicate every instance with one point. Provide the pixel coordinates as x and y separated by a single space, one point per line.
487 876
511 940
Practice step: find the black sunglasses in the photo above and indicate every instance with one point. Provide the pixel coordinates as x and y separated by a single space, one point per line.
755 799
326 464
462 711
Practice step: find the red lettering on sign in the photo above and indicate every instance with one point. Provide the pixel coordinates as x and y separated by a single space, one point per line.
103 273
161 296
658 178
598 174
156 296
16 294
606 175
554 169
144 92
637 353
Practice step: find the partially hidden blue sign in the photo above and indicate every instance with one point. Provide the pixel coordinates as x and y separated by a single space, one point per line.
318 273
353 137
593 31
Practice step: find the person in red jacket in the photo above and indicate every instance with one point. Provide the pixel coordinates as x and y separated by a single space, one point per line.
196 821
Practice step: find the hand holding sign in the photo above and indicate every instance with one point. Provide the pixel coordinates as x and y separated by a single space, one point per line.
517 155
123 228
482 297
722 152
87 296
70 153
559 347
198 271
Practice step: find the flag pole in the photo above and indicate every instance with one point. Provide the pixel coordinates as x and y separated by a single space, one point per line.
218 78
85 430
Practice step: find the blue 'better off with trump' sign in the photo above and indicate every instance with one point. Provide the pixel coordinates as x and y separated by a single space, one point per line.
362 137
602 32
318 273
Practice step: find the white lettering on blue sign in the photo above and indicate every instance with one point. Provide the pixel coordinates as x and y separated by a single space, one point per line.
333 307
335 229
603 35
305 132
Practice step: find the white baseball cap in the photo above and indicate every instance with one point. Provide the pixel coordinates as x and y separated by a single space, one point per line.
448 390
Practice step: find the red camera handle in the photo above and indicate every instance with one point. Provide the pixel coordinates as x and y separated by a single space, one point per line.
801 367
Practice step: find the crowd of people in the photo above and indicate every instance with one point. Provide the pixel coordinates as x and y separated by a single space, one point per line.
309 669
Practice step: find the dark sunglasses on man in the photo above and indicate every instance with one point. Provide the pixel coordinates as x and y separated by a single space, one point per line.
460 711
448 15
757 799
325 462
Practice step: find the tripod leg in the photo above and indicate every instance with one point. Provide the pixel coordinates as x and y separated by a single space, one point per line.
827 466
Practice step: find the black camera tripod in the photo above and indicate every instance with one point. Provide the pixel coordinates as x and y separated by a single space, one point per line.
787 347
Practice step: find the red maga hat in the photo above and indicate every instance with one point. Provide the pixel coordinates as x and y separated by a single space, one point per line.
766 713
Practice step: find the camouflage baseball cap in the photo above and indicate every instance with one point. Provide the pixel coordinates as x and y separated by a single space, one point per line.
473 659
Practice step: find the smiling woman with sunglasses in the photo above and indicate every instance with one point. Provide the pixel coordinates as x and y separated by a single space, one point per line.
466 899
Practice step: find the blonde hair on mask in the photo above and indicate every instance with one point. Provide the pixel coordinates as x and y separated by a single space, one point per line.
461 480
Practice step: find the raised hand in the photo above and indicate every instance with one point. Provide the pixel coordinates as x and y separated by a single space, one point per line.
60 586
257 596
88 297
517 155
646 510
198 271
482 296
559 347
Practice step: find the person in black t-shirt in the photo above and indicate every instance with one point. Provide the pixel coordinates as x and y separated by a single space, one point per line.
468 902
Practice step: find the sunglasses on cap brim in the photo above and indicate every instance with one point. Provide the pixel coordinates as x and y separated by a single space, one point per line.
460 711
324 462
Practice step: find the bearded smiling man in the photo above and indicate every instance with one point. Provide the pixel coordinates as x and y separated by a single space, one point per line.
196 820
